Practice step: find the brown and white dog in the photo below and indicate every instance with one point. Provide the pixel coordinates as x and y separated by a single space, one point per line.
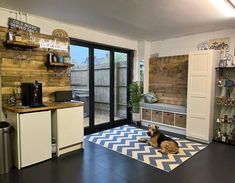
158 140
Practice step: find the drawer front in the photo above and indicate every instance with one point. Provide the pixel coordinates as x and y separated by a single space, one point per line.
168 118
146 114
157 116
180 120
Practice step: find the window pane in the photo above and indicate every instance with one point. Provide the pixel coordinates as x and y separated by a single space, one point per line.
120 86
80 77
102 86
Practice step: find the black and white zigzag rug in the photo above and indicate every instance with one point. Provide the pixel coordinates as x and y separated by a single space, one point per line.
124 140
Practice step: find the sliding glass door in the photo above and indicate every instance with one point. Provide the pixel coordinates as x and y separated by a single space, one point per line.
101 86
100 79
120 85
80 77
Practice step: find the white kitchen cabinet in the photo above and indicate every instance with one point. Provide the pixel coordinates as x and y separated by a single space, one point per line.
200 96
32 137
35 137
68 129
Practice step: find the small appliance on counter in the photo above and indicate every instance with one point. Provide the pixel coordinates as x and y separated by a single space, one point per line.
32 94
63 96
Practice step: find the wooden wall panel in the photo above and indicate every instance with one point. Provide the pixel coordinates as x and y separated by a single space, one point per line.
168 78
14 72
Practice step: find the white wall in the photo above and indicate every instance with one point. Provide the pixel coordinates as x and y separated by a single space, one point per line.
48 25
144 54
183 45
146 66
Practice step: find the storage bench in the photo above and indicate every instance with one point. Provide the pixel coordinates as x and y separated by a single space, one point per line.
169 117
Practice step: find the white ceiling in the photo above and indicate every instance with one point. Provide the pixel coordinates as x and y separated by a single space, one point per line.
134 19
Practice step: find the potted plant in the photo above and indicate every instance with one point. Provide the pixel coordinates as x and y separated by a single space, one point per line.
136 94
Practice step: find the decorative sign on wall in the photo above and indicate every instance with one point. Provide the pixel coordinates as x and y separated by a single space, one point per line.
17 24
60 33
54 44
220 44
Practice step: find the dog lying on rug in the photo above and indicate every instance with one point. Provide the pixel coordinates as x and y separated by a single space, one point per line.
158 140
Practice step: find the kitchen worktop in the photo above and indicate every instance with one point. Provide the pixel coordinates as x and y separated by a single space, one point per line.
48 106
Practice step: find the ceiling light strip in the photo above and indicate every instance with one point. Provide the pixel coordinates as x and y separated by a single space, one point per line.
232 3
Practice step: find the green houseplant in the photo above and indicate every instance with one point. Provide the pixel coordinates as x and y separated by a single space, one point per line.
136 94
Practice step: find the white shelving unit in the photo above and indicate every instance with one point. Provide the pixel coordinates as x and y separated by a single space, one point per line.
168 117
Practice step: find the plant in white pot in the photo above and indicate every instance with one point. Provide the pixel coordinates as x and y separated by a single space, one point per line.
136 94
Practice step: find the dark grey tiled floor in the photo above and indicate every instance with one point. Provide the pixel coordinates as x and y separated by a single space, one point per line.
96 164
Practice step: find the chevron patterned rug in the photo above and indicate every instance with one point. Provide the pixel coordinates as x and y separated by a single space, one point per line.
124 140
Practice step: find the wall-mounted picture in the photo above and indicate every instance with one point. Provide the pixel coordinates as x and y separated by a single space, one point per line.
222 44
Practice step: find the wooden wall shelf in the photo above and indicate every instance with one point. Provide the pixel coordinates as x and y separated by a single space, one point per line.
48 64
220 68
20 44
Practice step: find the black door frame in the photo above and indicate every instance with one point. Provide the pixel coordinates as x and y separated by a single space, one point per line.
91 46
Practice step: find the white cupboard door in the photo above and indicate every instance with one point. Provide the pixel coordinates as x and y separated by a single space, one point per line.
70 126
35 137
200 96
198 104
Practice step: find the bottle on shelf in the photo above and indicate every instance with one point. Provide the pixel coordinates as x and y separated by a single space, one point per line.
54 56
49 55
10 35
60 58
17 36
31 38
224 137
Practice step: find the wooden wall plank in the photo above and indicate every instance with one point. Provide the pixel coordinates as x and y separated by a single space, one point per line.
14 71
168 78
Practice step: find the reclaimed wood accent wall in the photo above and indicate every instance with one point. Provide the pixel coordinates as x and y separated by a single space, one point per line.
168 78
18 66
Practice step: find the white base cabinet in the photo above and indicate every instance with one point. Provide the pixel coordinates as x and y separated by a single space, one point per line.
32 137
35 137
200 96
68 129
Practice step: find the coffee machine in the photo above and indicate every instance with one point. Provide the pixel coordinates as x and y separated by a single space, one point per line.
32 94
